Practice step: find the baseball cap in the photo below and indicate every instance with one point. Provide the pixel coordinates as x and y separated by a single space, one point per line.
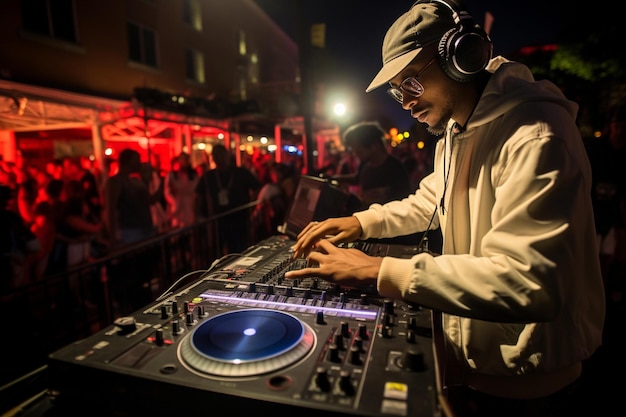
423 24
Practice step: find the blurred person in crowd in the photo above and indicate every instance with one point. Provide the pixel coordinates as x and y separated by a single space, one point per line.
154 181
7 172
348 166
17 244
74 169
273 201
247 162
225 190
331 166
28 191
54 168
608 159
180 191
381 177
205 163
127 202
55 198
517 293
607 154
157 166
44 228
78 228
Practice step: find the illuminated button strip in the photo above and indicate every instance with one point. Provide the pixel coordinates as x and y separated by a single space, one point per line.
330 308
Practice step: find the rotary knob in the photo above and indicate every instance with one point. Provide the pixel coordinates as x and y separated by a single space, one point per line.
345 383
355 355
333 353
345 329
126 325
413 359
388 306
159 340
362 331
321 379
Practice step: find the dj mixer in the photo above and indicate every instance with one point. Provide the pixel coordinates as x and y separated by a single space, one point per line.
242 340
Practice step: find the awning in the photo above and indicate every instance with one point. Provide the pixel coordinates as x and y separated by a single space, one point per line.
26 107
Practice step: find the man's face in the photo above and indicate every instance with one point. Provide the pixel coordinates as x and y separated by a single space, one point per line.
435 104
363 153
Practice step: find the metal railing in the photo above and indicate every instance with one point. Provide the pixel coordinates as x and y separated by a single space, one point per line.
44 316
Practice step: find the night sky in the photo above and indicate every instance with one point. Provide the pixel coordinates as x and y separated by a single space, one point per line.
355 30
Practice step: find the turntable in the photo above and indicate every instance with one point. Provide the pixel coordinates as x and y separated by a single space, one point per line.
240 348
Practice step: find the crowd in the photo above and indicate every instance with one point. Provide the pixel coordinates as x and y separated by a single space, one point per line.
69 211
65 208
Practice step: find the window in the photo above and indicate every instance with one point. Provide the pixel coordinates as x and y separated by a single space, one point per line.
192 14
142 45
194 65
243 48
54 18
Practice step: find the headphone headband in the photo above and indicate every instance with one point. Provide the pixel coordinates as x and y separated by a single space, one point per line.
465 50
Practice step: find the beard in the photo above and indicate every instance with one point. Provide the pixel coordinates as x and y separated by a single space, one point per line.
439 127
437 130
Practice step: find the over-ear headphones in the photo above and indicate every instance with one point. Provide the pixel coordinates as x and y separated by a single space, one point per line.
465 50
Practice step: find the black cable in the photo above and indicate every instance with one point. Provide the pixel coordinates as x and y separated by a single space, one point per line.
170 289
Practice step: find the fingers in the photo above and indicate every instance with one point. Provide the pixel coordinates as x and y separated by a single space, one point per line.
302 273
307 239
326 246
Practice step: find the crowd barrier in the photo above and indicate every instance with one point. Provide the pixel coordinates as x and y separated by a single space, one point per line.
45 315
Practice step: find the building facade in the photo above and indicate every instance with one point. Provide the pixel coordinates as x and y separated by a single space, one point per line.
82 77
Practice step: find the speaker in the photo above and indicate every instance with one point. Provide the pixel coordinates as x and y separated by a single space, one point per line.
465 50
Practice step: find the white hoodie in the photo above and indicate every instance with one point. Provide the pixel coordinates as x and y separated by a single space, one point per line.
519 280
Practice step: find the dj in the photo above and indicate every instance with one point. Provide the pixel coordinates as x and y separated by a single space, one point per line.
518 280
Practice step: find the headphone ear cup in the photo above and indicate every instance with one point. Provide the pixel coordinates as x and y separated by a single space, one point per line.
445 59
464 54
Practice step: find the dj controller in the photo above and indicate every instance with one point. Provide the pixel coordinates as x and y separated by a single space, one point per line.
242 340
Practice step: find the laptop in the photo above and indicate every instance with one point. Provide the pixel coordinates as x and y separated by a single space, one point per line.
317 199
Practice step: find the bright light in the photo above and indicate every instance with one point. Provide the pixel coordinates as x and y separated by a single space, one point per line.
202 146
420 144
271 148
249 138
220 135
143 143
108 151
263 140
339 109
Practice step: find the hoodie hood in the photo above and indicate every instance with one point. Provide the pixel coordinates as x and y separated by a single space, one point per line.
511 84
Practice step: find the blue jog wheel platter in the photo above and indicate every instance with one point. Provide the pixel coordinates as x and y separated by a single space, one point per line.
246 343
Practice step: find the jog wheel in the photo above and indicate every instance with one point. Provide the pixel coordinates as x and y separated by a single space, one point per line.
246 343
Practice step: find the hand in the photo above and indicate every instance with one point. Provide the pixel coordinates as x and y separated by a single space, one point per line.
335 230
345 267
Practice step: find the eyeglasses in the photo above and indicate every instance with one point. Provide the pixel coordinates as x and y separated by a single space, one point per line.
410 85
